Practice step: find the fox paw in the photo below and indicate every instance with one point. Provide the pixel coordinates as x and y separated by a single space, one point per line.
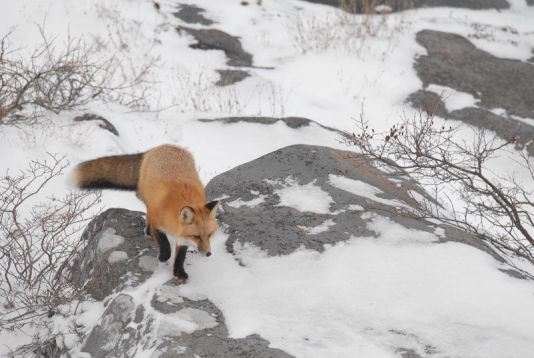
181 278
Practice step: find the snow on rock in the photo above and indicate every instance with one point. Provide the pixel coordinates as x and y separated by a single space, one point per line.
506 127
355 277
117 256
478 74
307 197
375 282
108 240
100 270
146 314
310 199
361 188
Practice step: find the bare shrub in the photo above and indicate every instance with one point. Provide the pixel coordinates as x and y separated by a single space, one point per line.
497 208
197 92
349 30
60 76
35 240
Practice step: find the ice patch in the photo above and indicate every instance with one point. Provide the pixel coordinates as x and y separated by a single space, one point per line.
186 320
356 207
169 294
108 240
148 263
319 228
117 256
250 203
308 197
362 189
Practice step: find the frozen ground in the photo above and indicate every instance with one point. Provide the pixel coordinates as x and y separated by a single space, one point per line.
339 303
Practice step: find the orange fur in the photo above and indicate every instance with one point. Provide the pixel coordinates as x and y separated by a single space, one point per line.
166 180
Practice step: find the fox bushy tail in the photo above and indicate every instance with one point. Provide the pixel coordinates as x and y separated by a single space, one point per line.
114 172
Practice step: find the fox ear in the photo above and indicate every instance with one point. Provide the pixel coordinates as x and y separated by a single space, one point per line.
187 214
212 207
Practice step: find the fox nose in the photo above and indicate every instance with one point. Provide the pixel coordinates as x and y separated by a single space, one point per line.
208 253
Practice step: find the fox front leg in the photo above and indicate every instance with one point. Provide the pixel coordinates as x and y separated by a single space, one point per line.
179 271
163 243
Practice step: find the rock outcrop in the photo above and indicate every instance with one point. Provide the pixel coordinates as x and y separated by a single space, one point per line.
213 39
298 196
496 83
455 62
118 257
344 189
361 6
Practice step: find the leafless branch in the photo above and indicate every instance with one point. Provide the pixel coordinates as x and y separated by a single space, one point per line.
36 238
61 76
497 208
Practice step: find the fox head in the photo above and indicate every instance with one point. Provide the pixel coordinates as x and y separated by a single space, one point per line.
198 225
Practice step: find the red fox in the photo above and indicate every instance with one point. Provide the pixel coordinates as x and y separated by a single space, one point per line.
166 180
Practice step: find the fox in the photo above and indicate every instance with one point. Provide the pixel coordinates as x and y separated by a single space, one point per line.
166 180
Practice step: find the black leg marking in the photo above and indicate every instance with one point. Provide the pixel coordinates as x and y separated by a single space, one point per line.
164 247
147 230
179 263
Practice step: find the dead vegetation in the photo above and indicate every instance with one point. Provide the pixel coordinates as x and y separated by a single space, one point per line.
57 76
465 192
36 239
349 30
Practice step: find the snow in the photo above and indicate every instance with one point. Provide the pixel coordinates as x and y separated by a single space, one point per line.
308 197
185 320
363 189
453 99
249 203
368 296
108 240
148 263
117 256
319 228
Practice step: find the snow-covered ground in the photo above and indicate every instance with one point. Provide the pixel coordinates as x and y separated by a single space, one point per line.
339 303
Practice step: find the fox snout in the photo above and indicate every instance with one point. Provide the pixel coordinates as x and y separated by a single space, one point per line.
205 247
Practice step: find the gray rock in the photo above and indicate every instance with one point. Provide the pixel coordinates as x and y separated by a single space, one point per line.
291 122
229 77
455 62
115 230
125 330
127 327
212 39
213 341
253 214
112 337
505 127
192 15
362 6
408 353
103 123
163 322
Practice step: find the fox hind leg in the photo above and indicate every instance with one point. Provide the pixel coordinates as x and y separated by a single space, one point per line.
179 271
